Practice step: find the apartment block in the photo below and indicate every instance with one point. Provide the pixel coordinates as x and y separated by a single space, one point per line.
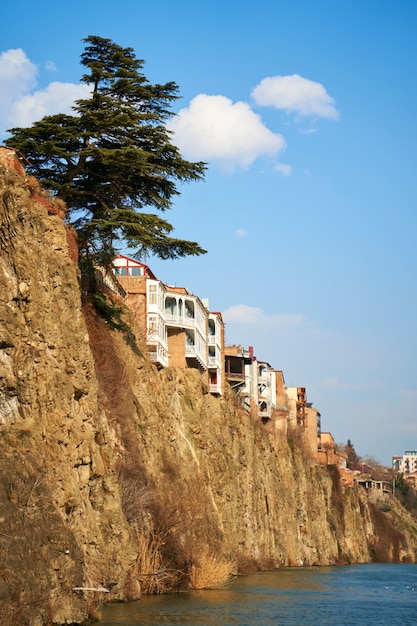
405 464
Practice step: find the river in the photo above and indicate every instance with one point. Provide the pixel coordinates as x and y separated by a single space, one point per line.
366 595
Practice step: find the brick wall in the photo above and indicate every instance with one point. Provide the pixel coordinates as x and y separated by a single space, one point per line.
176 347
11 161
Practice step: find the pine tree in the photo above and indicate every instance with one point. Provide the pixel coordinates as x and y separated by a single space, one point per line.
113 158
352 457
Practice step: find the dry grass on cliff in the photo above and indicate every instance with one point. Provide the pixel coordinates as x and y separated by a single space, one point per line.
115 394
297 443
11 612
211 572
160 559
154 577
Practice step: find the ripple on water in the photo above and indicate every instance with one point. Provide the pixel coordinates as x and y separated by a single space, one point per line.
365 595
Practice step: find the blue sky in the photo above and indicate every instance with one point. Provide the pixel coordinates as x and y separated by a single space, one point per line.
305 111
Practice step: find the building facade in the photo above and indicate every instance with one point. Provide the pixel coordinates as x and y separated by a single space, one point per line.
259 386
180 331
405 464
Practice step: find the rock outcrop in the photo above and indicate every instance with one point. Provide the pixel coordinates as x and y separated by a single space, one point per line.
117 479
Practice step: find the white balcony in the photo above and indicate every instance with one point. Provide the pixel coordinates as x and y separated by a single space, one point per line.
157 353
215 388
213 340
185 312
193 352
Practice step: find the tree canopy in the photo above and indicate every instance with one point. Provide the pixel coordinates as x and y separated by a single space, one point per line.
113 158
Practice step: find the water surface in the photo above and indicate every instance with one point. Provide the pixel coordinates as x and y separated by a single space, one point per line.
368 595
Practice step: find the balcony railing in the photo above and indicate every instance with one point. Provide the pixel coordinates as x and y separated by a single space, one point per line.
191 351
215 388
158 353
215 361
235 376
183 321
264 380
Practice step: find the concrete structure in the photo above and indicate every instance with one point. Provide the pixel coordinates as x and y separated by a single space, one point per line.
405 464
179 329
380 485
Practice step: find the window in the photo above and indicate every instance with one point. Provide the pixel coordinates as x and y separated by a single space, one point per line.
189 338
170 305
189 309
152 294
152 326
136 271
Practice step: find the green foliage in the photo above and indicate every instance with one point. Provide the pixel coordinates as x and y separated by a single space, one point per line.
406 494
113 157
401 487
111 313
351 457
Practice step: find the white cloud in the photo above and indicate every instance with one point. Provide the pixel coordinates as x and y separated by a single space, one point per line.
243 314
56 98
50 66
295 93
282 168
20 104
17 77
214 129
17 72
241 232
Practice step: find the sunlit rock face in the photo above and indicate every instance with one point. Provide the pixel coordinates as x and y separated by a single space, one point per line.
112 472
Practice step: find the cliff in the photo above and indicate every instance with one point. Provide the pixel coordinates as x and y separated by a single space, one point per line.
124 480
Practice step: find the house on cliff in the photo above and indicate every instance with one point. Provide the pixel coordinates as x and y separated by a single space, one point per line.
304 418
328 455
297 402
259 387
180 331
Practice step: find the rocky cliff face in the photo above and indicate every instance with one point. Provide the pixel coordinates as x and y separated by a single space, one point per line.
115 475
